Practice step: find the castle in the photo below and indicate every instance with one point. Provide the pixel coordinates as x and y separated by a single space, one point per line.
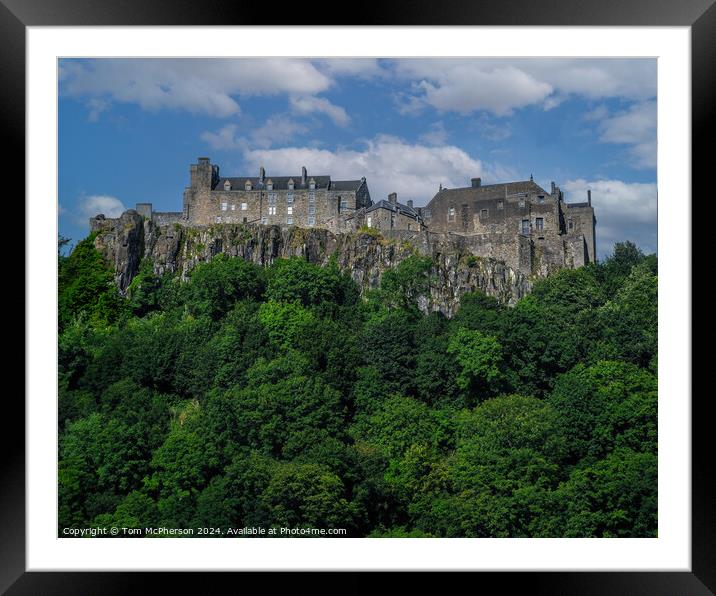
529 229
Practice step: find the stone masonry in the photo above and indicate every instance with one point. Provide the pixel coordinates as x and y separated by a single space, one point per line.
520 224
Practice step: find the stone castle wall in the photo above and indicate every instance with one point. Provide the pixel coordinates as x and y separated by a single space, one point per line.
125 241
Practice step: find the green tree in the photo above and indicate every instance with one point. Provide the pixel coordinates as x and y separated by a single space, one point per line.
607 405
627 325
613 498
285 322
86 287
306 496
402 286
214 287
297 280
400 422
282 398
388 344
479 357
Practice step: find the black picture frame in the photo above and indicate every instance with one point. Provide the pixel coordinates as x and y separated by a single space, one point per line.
16 15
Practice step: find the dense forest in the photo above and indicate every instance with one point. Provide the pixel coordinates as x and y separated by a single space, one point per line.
281 397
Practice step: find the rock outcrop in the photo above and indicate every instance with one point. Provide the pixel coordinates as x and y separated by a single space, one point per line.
173 248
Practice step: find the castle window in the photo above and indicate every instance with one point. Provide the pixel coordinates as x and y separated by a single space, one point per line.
244 206
290 185
289 210
264 220
483 213
269 185
233 207
451 214
539 223
540 199
218 220
272 210
247 186
312 184
245 219
311 220
571 224
227 185
526 227
289 220
500 205
289 197
344 204
224 206
272 198
311 209
522 203
311 197
369 221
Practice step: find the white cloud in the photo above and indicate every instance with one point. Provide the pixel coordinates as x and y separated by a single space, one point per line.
95 204
633 79
635 127
624 211
464 89
437 135
597 114
486 128
224 139
390 165
464 85
278 129
363 68
199 85
96 106
501 85
309 104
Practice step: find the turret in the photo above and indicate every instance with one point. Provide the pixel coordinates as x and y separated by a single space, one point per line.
202 174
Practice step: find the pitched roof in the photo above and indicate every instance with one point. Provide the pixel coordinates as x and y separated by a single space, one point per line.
490 191
346 184
281 182
396 207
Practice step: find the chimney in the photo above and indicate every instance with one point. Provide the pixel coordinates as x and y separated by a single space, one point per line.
554 188
262 174
393 197
589 197
410 203
304 176
476 182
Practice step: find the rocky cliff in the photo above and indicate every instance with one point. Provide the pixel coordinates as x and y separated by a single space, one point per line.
129 239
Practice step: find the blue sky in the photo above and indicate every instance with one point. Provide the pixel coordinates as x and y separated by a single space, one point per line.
128 129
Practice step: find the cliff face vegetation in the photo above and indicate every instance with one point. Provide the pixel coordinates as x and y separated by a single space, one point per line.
275 396
364 255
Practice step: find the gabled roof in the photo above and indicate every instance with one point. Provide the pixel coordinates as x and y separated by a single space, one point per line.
281 182
346 184
395 207
490 191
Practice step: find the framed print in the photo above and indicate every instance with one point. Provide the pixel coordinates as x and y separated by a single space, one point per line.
391 294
